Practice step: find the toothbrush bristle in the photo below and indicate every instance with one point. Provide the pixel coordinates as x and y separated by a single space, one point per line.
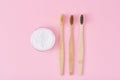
71 19
62 19
81 19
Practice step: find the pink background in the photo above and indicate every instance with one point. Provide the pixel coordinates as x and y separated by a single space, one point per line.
19 61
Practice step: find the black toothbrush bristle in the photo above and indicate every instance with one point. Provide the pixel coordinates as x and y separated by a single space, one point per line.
81 19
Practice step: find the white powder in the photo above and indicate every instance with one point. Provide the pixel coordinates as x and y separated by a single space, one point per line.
43 39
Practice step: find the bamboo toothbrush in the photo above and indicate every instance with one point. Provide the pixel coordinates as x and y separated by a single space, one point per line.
61 56
71 46
81 46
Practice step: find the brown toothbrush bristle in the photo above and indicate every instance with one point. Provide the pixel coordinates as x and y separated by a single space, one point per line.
62 19
71 19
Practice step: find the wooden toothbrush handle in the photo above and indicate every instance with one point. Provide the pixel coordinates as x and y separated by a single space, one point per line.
61 48
81 49
71 52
